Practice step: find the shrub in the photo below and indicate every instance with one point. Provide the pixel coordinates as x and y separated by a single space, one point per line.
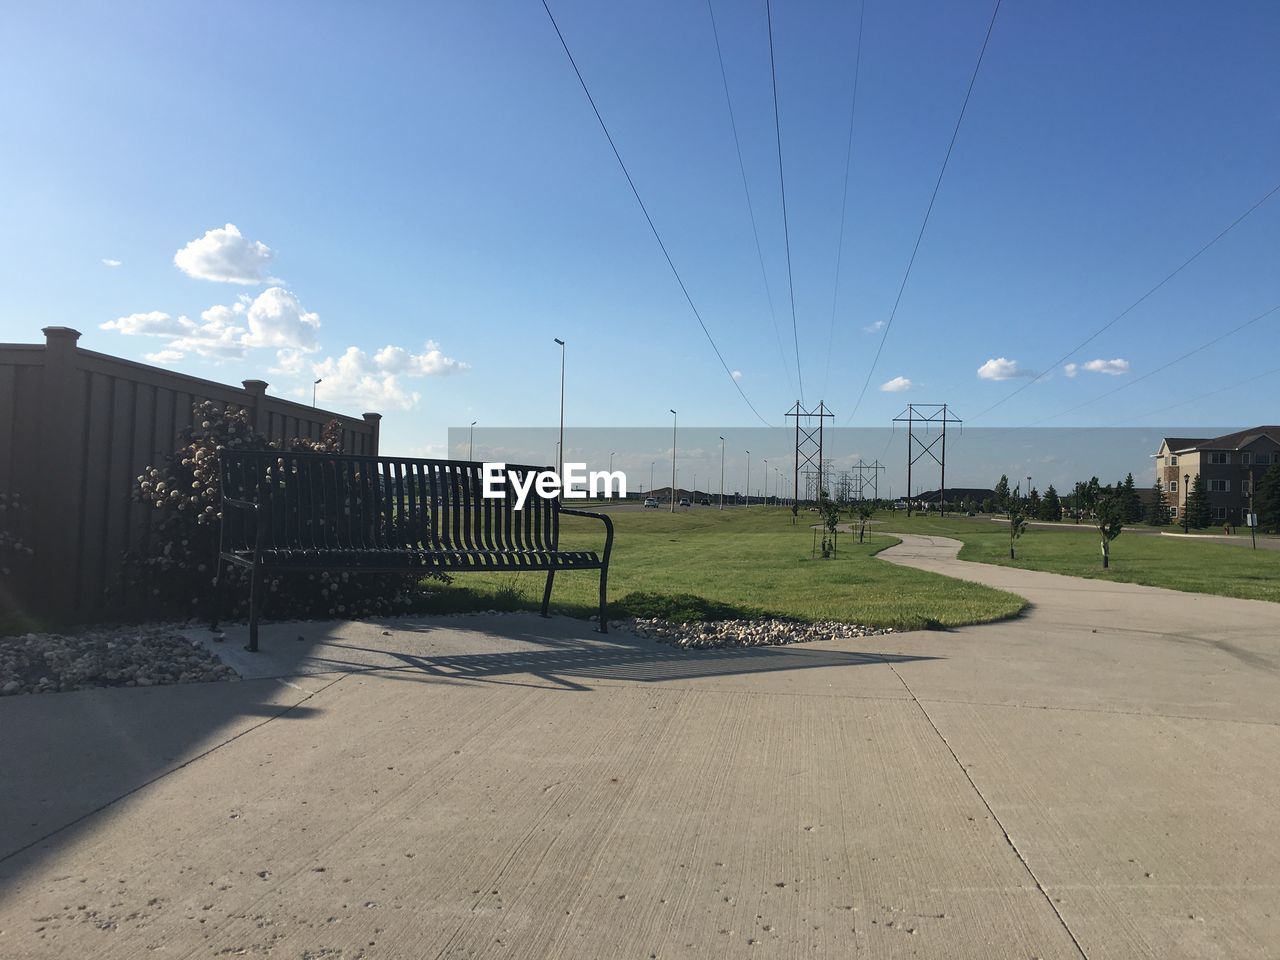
175 567
12 549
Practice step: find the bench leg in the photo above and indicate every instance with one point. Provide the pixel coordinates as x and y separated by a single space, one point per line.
219 584
255 607
604 583
546 594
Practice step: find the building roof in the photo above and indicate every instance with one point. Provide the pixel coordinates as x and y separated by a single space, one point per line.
1230 441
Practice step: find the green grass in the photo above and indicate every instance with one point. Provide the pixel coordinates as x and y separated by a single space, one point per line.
705 564
1137 556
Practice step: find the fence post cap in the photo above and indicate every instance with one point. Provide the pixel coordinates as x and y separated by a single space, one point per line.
61 333
255 386
373 417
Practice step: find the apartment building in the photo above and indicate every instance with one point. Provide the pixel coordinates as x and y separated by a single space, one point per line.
1229 464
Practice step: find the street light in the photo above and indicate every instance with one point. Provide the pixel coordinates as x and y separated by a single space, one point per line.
611 453
748 478
651 463
766 482
560 445
673 461
471 450
722 473
315 384
1186 493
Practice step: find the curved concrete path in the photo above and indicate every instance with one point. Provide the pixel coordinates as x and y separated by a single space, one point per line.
1097 778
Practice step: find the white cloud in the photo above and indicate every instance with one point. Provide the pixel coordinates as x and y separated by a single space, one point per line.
224 254
153 324
378 382
1001 368
164 356
737 374
896 385
289 362
431 362
108 262
1072 369
1114 367
874 327
277 319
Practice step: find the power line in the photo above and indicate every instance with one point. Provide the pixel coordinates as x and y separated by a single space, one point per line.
1203 396
742 169
782 184
645 210
1160 369
844 196
929 210
1123 313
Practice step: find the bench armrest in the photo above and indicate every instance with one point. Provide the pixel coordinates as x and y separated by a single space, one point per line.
241 504
253 509
608 528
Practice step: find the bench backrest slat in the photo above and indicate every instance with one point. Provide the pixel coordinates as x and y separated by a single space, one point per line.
316 501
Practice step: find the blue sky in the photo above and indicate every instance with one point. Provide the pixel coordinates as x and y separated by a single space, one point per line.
429 178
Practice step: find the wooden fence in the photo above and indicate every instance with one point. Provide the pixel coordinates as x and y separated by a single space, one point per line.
76 429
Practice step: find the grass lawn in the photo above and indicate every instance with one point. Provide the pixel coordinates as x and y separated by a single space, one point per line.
1196 566
707 564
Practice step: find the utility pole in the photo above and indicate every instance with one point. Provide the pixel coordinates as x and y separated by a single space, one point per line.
809 445
722 473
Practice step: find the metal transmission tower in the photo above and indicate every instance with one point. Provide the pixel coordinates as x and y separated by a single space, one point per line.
925 418
809 446
863 480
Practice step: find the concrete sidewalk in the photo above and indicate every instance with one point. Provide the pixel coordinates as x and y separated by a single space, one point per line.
1096 778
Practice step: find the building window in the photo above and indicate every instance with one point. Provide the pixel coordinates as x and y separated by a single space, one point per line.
1219 457
1173 513
1264 459
1219 486
1173 486
1219 513
1246 458
1246 487
1173 461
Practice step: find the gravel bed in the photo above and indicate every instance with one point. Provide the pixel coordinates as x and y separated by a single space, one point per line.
748 633
105 657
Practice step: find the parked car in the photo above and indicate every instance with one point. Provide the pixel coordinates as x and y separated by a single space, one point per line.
684 501
651 502
705 501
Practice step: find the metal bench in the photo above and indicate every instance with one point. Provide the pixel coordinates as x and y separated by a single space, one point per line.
317 511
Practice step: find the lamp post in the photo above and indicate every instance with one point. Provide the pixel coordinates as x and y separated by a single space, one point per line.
766 481
314 384
471 451
560 445
674 418
651 463
611 453
1186 495
722 473
1253 518
748 478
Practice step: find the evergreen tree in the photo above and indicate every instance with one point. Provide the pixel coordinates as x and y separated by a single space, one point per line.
1159 514
1051 508
1034 504
1266 500
1132 502
1002 492
1198 504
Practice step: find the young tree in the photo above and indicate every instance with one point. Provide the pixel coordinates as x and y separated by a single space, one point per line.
864 509
1159 514
1034 505
1002 492
1197 505
1017 525
1051 507
1108 516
